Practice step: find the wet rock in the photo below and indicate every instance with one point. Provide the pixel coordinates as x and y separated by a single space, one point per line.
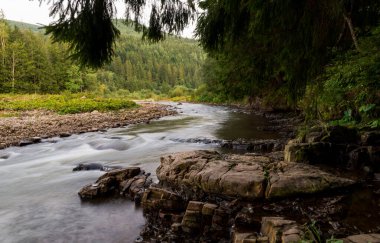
5 155
157 198
116 145
208 209
176 227
340 135
261 146
314 153
25 143
374 156
29 141
358 158
243 176
134 187
102 187
123 174
279 229
295 179
246 217
373 238
209 172
95 166
220 223
64 134
192 220
371 138
108 184
244 237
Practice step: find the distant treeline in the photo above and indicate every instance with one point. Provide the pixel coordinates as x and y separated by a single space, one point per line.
31 63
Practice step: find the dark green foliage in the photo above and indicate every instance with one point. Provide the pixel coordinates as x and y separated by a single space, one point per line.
349 88
279 44
88 28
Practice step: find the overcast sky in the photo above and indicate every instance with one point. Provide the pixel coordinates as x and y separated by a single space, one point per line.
31 11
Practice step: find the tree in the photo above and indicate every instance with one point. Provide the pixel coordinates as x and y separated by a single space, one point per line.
287 42
88 27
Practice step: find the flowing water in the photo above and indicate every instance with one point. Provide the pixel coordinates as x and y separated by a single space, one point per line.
38 190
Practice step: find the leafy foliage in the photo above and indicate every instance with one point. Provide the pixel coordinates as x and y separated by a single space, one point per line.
348 89
262 46
88 27
63 104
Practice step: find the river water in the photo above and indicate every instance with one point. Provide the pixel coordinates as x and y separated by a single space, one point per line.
38 189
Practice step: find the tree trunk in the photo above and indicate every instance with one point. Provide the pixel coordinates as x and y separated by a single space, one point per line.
13 70
352 31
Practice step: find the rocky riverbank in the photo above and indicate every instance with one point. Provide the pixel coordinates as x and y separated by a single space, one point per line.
326 184
33 126
205 196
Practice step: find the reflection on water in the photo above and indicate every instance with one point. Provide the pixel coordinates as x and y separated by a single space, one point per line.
38 192
243 125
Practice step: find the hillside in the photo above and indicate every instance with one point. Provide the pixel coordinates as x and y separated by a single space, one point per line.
41 66
22 25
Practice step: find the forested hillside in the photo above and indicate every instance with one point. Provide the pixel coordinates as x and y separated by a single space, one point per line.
31 63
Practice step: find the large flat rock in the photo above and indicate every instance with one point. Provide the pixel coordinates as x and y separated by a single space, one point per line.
296 178
245 176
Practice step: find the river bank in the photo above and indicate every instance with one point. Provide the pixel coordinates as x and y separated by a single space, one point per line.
325 185
32 126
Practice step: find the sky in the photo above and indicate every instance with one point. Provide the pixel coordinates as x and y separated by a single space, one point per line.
32 12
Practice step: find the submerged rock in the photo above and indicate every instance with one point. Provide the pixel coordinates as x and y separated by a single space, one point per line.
95 166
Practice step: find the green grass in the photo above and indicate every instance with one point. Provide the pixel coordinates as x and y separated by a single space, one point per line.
62 104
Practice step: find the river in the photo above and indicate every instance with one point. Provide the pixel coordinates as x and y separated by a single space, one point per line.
38 189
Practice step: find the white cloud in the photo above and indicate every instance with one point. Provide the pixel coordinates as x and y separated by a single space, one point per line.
26 11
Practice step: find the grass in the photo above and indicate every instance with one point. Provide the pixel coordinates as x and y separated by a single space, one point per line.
62 104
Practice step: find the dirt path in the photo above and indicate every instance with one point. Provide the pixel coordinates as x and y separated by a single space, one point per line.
31 126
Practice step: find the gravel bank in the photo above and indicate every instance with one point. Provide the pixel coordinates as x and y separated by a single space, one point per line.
31 126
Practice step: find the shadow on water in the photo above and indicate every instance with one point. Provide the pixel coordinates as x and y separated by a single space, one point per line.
243 125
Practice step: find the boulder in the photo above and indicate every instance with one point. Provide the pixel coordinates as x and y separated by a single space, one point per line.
279 229
157 198
373 238
246 218
206 170
295 179
340 135
371 138
244 237
95 166
243 176
109 183
314 153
